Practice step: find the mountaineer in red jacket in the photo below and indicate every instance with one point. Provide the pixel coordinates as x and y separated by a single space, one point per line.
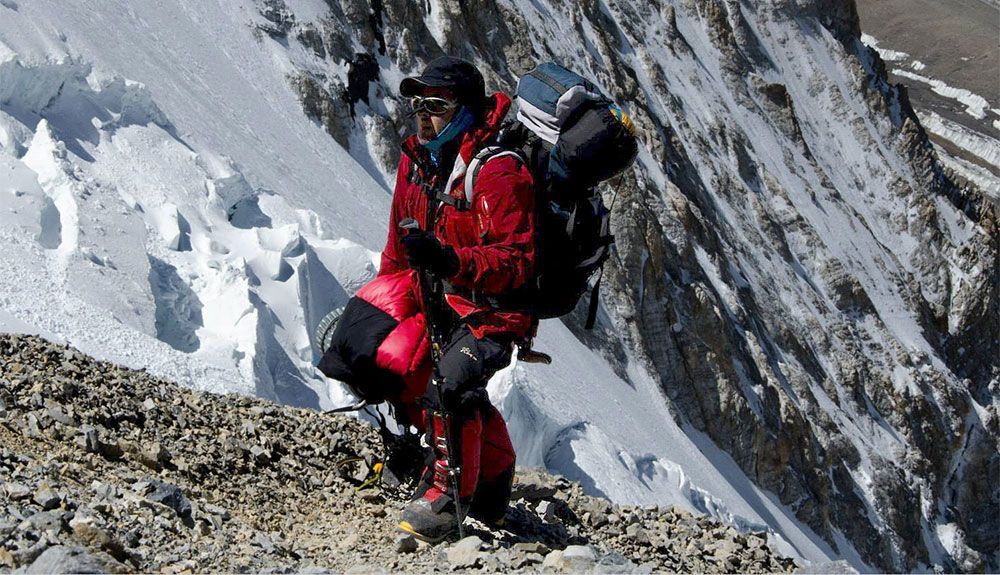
478 247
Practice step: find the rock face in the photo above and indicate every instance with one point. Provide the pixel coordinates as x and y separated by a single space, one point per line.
793 264
250 486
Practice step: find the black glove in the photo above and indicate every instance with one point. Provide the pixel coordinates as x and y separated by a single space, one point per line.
424 251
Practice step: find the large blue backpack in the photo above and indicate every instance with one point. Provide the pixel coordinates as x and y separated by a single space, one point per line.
571 137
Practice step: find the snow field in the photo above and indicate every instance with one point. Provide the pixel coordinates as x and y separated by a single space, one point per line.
886 54
985 148
985 179
975 105
202 258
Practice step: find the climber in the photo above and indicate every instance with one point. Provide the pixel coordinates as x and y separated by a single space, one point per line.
470 266
474 249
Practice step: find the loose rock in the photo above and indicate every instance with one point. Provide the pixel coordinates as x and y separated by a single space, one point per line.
406 544
243 485
61 559
46 498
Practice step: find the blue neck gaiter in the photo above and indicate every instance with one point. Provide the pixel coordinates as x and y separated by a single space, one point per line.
459 124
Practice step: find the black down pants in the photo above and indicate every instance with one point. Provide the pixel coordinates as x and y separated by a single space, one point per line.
479 436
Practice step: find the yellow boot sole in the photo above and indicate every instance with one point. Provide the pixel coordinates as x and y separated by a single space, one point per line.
405 526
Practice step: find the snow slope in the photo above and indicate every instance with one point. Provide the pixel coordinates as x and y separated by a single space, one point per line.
981 147
618 438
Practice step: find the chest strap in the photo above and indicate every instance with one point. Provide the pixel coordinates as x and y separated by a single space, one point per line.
440 196
460 204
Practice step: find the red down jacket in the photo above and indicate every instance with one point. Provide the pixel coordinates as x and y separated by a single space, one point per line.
380 346
494 238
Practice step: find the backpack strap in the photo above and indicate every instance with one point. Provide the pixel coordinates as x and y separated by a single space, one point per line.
478 161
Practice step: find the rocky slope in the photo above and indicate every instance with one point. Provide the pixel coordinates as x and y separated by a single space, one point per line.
108 469
795 267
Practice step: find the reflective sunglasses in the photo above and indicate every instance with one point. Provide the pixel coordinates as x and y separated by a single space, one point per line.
432 105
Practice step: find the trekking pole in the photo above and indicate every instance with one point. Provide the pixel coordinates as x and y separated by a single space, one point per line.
433 328
349 408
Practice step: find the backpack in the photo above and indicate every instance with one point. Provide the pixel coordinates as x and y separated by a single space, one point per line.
571 137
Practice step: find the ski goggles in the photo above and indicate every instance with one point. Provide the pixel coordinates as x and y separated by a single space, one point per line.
432 105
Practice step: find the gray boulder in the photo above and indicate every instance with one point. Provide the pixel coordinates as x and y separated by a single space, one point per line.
63 559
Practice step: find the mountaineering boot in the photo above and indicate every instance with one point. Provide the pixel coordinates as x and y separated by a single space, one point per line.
430 518
489 505
433 514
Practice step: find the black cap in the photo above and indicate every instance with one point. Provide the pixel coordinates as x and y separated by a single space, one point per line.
460 76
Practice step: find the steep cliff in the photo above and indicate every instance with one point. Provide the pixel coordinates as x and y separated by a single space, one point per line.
793 265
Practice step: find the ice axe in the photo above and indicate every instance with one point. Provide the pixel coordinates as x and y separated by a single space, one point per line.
427 293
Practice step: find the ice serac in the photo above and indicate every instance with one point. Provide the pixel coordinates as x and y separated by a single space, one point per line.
142 224
808 286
